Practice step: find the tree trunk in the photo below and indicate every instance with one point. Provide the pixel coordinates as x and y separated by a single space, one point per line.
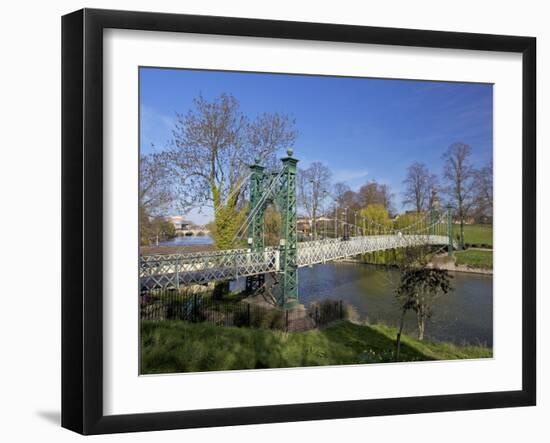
398 340
462 232
314 225
421 326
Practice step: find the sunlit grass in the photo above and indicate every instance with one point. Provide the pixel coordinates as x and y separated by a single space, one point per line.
480 235
176 346
475 258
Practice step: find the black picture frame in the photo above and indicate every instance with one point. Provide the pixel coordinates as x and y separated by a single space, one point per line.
82 215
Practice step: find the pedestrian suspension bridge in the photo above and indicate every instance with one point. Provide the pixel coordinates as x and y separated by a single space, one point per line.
279 188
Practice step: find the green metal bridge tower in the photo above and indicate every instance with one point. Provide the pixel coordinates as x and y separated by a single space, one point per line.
279 188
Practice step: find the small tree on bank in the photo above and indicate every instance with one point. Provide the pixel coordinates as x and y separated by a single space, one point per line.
417 291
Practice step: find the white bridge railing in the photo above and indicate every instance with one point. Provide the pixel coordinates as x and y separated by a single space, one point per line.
173 270
322 251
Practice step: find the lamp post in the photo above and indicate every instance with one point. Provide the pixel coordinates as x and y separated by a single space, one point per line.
355 222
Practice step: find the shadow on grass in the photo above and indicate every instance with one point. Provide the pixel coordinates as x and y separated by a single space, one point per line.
370 345
177 346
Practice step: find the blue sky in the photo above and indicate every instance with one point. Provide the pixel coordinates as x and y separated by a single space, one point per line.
362 128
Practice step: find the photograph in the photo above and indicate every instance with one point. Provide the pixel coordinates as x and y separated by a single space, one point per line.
298 220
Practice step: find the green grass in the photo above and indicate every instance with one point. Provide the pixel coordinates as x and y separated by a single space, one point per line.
476 234
475 258
173 346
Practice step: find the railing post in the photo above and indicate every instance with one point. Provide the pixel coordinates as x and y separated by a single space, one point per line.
177 274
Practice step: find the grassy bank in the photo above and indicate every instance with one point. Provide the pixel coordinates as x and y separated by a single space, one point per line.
176 346
476 235
475 258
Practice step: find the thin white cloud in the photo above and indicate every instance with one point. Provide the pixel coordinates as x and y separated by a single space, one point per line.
156 127
352 177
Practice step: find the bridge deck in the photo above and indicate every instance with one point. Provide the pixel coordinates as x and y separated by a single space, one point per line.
172 270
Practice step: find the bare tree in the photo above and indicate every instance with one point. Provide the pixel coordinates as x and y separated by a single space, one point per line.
458 174
313 185
483 185
155 186
213 145
155 193
419 186
340 193
375 193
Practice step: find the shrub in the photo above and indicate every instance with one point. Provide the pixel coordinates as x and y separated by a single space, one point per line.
259 317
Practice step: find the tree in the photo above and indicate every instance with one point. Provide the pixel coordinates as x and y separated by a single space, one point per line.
162 229
155 192
458 174
419 185
339 192
375 193
418 289
376 218
483 185
155 185
212 148
313 185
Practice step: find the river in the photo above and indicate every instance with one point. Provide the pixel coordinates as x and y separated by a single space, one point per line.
185 240
465 315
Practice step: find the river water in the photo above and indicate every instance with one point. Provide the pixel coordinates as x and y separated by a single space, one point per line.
465 315
187 240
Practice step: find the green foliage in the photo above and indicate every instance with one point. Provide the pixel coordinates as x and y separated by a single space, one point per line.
418 289
272 226
227 221
418 256
256 317
406 220
475 259
152 229
175 346
376 214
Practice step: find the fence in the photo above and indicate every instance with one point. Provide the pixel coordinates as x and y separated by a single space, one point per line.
199 308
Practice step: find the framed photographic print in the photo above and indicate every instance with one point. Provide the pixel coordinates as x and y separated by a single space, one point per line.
269 221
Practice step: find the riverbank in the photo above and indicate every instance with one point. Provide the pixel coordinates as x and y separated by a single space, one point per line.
468 261
176 346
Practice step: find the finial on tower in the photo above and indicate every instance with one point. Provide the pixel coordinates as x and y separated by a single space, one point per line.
289 152
257 159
